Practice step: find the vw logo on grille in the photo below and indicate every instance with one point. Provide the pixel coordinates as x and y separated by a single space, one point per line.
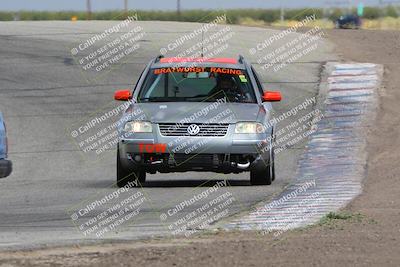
193 129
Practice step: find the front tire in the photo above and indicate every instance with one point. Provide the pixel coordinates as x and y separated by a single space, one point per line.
127 176
262 175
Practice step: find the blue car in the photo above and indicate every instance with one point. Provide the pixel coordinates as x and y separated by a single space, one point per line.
5 165
348 22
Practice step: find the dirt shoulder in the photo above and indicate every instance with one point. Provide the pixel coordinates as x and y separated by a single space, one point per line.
369 234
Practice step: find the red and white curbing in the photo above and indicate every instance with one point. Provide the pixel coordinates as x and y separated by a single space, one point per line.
334 163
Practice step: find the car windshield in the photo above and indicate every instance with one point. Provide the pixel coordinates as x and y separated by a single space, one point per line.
196 84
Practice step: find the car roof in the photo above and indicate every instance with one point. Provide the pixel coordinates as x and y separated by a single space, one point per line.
198 62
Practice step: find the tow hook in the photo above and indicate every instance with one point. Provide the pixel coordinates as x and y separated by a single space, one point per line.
241 166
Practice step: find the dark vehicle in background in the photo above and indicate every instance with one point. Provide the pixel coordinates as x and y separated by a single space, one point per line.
5 165
348 22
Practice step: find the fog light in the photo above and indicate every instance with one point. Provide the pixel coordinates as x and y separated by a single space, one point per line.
138 158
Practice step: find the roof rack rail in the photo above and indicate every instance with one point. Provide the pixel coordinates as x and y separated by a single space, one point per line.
241 59
158 58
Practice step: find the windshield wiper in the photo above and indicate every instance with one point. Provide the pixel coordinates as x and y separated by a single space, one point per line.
156 99
168 99
196 96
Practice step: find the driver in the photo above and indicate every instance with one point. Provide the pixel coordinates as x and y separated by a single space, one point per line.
226 86
225 83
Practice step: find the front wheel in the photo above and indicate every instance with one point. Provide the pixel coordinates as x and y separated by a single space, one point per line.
262 175
127 176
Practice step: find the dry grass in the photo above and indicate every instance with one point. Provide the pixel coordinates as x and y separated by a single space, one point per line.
387 23
383 24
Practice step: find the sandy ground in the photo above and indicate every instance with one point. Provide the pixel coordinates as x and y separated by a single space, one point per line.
369 237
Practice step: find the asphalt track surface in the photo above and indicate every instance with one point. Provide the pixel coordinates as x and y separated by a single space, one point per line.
44 92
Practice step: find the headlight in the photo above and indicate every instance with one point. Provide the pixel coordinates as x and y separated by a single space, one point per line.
138 127
249 128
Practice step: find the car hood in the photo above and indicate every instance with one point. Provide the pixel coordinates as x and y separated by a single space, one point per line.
197 112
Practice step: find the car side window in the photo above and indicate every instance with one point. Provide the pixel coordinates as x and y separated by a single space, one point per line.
259 85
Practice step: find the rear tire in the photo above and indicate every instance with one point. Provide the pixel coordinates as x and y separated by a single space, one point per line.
126 176
272 164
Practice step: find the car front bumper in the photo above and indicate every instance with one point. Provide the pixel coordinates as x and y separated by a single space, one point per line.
231 143
5 168
183 153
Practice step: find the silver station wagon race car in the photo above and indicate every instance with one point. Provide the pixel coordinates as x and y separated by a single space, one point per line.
196 114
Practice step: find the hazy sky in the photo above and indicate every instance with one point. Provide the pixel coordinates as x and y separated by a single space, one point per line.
164 4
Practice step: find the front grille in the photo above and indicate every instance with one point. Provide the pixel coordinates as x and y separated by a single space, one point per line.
206 129
196 160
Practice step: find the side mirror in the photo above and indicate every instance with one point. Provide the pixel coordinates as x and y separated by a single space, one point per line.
122 95
270 96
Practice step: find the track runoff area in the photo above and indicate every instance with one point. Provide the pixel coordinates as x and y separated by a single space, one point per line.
319 165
